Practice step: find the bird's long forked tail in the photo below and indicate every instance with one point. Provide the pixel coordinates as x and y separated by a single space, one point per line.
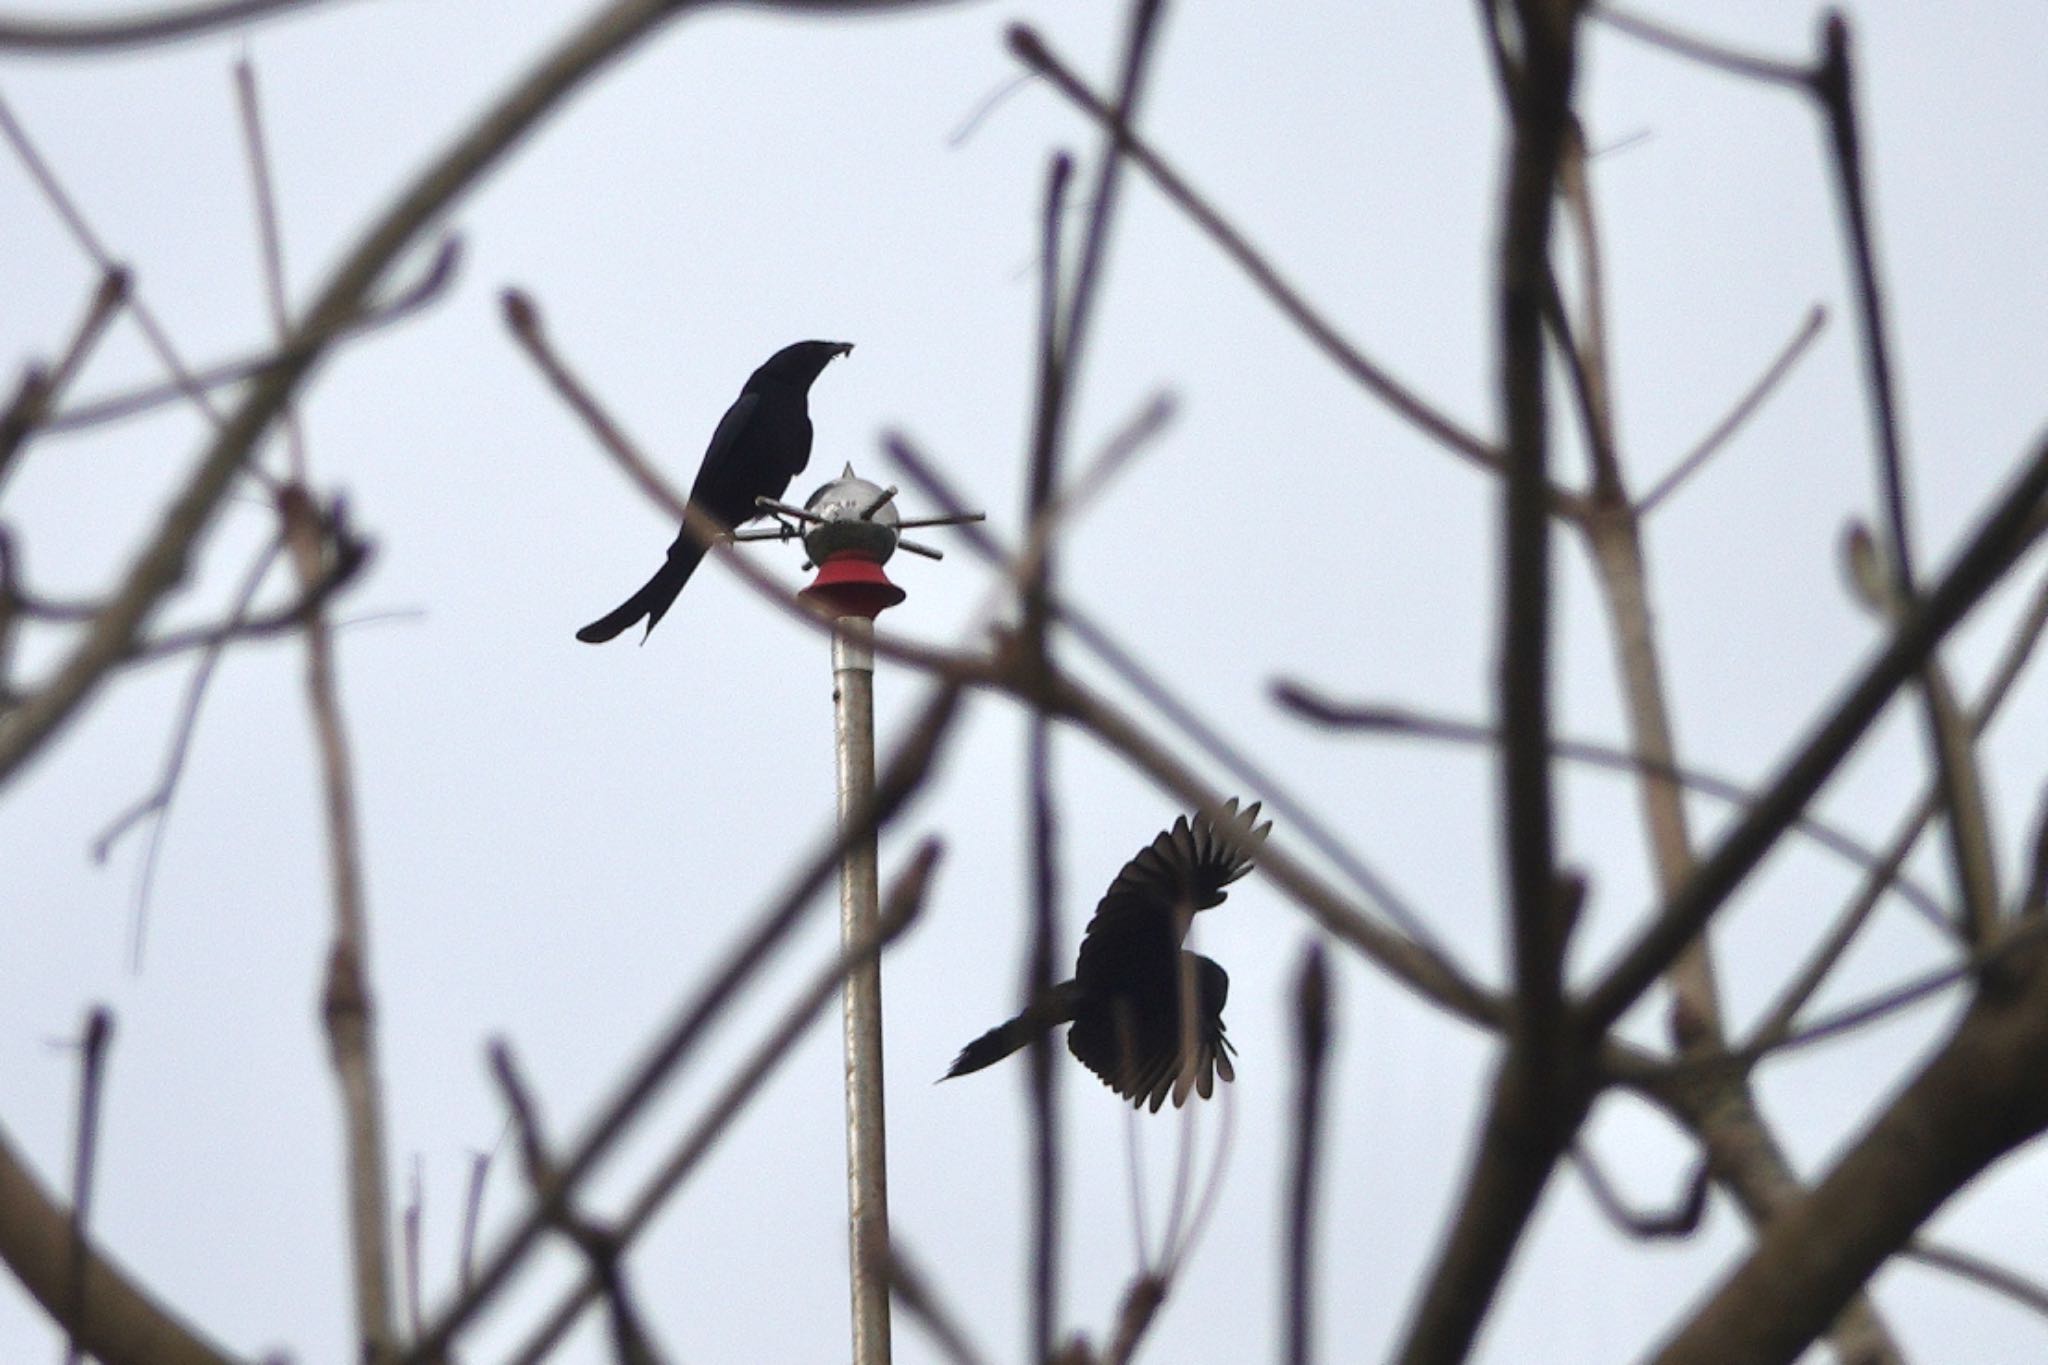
653 599
1012 1034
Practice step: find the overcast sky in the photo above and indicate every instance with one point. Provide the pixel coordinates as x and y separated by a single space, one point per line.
562 839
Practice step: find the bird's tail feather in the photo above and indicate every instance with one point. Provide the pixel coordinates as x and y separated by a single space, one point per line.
1011 1035
653 600
991 1047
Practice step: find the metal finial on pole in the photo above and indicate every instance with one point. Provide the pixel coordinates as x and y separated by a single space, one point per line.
850 526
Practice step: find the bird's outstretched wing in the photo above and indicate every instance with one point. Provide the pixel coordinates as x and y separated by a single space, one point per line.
1192 861
1139 985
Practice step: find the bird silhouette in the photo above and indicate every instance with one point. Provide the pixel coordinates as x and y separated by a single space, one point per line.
1146 1014
762 442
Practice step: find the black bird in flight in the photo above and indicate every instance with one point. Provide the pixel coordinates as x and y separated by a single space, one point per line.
1146 1014
762 442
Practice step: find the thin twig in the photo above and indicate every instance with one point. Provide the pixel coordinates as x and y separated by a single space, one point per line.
317 542
92 1077
1402 721
1777 1021
157 804
1718 436
913 1292
162 561
1681 1220
40 388
472 1218
1699 50
1968 825
989 103
1241 766
399 305
1031 49
1999 1280
412 1224
1585 344
270 237
89 242
1312 1037
1041 966
600 1247
1897 998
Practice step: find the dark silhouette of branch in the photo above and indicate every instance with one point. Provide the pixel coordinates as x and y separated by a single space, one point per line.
899 910
1217 746
342 561
913 1292
1700 50
1996 1278
399 305
1996 545
1894 999
1718 436
472 1218
127 1326
1882 867
1031 49
40 388
2018 651
1968 825
601 1248
89 242
1582 345
1141 1304
1974 1100
92 1075
410 1225
906 771
156 805
1041 967
1312 1036
1681 1220
139 28
1544 1083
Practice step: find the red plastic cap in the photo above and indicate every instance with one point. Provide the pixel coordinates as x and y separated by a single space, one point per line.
852 585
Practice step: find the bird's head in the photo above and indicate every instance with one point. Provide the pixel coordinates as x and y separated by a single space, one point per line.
799 364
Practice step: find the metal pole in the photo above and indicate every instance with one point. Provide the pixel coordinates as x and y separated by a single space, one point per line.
867 1172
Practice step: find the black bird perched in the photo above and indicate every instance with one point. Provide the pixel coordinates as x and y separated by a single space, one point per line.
762 442
1134 981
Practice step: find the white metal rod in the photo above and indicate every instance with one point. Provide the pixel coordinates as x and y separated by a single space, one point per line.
867 1174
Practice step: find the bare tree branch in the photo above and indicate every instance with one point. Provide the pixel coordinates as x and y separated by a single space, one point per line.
1997 544
137 29
1031 49
1312 1034
906 771
899 911
127 1326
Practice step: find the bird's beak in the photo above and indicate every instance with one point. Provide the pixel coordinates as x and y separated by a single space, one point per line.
844 348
